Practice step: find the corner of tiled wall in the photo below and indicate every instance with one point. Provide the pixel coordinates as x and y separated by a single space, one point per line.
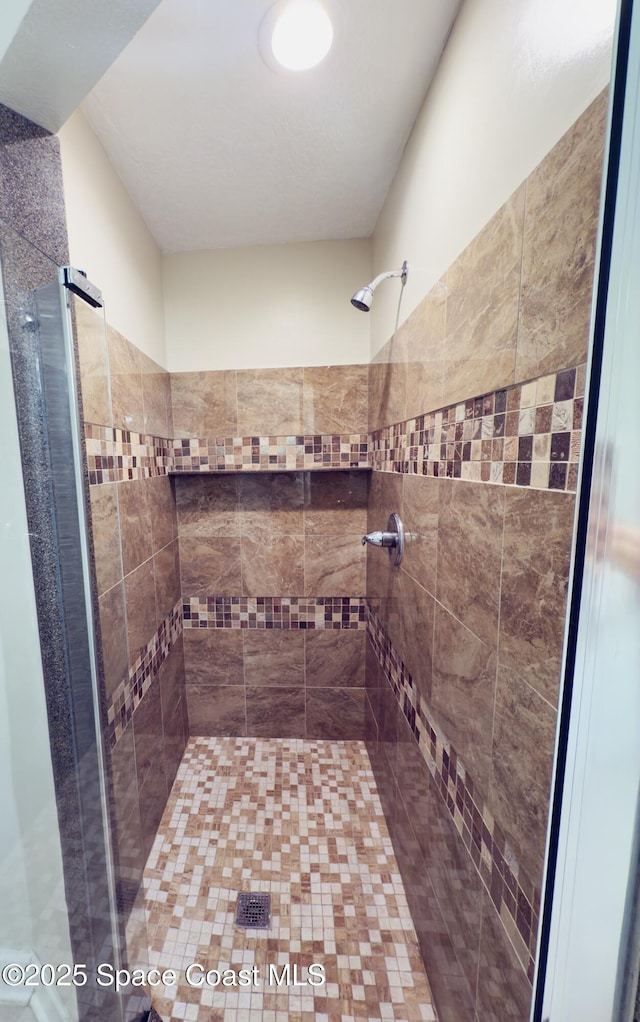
475 442
127 418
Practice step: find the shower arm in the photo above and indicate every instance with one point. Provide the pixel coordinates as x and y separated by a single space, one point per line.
402 272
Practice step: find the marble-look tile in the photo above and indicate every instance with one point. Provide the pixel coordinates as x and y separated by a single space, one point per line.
385 781
211 565
91 340
470 529
204 404
482 306
336 399
388 382
503 992
450 919
385 496
335 502
131 858
334 565
147 732
563 196
106 536
420 519
412 632
176 735
538 529
425 352
271 504
335 713
273 567
166 571
123 773
384 591
213 656
274 658
126 382
171 678
164 521
207 506
217 711
276 712
134 507
113 633
156 398
335 659
140 600
152 801
370 722
382 580
389 721
523 744
270 402
463 693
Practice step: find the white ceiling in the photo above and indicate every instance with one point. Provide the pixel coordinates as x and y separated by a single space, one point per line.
53 51
217 150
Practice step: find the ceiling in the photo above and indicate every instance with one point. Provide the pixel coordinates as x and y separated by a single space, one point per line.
217 150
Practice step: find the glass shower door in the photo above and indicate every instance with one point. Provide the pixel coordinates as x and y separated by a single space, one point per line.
34 925
590 949
58 916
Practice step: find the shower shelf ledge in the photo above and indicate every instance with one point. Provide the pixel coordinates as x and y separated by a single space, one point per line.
230 469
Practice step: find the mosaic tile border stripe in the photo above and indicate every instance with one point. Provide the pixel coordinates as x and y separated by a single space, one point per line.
275 612
272 453
114 455
131 689
525 435
516 899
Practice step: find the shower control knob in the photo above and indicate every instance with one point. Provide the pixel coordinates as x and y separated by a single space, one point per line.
392 538
381 538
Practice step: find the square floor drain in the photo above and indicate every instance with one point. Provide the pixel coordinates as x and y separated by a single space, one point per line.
253 911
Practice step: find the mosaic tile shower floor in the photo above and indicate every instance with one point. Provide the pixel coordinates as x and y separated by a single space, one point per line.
302 821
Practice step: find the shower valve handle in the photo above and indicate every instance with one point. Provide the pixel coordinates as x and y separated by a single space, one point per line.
392 539
381 538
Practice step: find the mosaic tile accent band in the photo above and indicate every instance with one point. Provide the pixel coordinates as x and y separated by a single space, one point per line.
277 612
269 453
131 690
526 435
114 455
516 899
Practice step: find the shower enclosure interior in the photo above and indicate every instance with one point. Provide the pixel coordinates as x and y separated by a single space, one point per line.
186 563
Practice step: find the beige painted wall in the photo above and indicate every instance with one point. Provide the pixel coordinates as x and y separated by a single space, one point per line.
514 77
266 307
109 240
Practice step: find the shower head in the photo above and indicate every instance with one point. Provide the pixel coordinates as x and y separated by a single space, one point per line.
363 298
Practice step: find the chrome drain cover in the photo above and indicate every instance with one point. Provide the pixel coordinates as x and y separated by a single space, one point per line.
253 911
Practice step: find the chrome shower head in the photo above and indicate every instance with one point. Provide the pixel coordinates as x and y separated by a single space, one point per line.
363 298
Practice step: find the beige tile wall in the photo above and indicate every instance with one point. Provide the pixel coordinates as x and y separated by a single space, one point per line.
477 610
135 546
279 402
280 534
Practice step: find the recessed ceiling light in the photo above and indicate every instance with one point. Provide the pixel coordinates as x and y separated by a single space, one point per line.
296 35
